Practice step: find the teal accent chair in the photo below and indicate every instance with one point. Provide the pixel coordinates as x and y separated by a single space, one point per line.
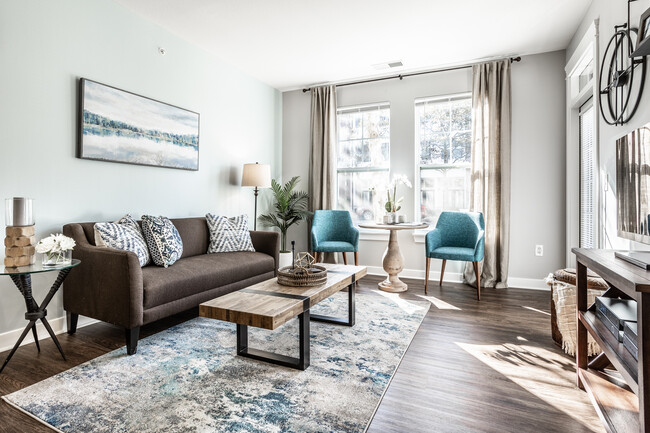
457 236
332 231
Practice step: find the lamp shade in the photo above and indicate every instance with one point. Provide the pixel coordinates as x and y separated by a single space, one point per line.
258 175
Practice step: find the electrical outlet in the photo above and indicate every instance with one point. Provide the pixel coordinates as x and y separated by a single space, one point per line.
539 250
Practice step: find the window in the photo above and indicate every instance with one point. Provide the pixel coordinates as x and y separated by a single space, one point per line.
363 158
587 176
443 136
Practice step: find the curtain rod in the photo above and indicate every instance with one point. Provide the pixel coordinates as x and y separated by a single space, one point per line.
402 76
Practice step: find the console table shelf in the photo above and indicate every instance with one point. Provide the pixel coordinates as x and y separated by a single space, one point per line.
617 354
621 398
617 406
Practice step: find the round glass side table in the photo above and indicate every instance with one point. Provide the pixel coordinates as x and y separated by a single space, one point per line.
22 278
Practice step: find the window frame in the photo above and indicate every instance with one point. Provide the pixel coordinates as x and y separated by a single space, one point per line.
417 202
361 108
585 107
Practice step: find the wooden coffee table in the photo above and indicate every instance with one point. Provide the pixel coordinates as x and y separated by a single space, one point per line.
269 305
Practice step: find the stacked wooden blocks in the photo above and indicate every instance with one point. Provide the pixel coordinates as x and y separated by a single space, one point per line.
19 246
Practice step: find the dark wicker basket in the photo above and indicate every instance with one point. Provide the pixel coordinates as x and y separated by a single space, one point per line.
316 277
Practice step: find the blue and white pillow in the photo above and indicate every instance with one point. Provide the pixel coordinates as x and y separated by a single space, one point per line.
124 234
228 234
163 239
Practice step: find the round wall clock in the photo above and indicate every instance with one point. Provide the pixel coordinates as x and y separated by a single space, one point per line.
621 78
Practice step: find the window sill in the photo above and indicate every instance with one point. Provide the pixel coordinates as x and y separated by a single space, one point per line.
373 235
420 235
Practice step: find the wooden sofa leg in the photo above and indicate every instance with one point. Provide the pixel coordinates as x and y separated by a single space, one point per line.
477 272
345 259
132 336
72 319
356 258
426 276
442 271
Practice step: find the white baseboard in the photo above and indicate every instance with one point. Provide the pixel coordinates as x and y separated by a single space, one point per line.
455 277
8 339
528 283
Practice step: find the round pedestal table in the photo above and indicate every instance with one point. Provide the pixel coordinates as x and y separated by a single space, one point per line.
393 260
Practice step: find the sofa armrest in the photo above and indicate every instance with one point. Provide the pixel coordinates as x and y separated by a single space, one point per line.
267 243
107 285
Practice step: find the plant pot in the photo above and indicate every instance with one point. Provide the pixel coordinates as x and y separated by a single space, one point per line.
390 218
284 259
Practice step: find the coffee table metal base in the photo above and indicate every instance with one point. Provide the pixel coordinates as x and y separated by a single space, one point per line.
302 362
337 320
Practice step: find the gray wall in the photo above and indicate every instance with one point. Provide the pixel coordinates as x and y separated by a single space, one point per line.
46 46
611 13
537 214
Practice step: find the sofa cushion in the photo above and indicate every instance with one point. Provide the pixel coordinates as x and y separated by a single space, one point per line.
163 240
123 234
195 235
228 234
199 273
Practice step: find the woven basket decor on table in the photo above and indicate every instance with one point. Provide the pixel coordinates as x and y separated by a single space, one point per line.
298 277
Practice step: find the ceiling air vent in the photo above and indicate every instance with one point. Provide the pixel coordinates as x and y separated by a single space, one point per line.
388 65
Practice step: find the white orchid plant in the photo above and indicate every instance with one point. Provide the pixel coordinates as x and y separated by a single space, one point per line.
54 245
393 203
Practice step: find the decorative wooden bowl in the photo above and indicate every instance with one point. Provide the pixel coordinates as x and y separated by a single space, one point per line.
299 277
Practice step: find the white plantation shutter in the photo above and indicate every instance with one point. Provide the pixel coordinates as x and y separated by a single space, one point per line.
587 177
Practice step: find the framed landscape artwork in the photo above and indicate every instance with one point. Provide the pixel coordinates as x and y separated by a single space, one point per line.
120 126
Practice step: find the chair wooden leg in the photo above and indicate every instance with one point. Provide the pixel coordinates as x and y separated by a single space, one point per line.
442 271
345 258
477 272
426 276
316 256
356 258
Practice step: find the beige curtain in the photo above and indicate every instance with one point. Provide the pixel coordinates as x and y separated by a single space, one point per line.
490 182
322 159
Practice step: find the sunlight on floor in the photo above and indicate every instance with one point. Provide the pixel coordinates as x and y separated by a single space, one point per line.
405 305
535 310
547 375
439 303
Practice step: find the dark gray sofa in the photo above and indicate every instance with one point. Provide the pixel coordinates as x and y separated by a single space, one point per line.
110 285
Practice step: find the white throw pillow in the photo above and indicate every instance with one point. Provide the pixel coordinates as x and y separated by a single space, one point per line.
228 234
124 234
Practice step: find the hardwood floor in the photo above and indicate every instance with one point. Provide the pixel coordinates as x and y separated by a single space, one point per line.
487 366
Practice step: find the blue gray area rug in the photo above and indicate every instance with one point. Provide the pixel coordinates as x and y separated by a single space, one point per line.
188 378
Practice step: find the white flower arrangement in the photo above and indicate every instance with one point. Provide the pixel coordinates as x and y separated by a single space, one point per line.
393 203
54 249
55 244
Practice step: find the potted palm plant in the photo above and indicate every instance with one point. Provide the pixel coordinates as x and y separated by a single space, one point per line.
290 208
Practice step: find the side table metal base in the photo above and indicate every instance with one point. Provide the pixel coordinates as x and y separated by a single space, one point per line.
35 312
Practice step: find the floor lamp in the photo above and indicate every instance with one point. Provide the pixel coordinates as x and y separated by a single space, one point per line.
259 176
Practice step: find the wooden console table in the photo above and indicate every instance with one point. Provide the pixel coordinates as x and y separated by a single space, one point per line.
622 400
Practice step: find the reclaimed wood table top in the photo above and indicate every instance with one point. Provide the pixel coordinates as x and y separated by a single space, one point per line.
269 305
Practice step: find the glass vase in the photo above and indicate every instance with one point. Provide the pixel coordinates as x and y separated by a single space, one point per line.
57 259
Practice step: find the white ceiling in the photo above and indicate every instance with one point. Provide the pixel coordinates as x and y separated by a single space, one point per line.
294 43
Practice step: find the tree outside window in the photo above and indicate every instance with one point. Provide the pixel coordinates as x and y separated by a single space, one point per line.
443 130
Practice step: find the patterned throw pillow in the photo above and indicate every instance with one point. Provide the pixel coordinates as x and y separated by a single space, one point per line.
164 242
124 234
229 234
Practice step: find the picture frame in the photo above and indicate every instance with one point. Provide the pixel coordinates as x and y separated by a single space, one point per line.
643 37
116 125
